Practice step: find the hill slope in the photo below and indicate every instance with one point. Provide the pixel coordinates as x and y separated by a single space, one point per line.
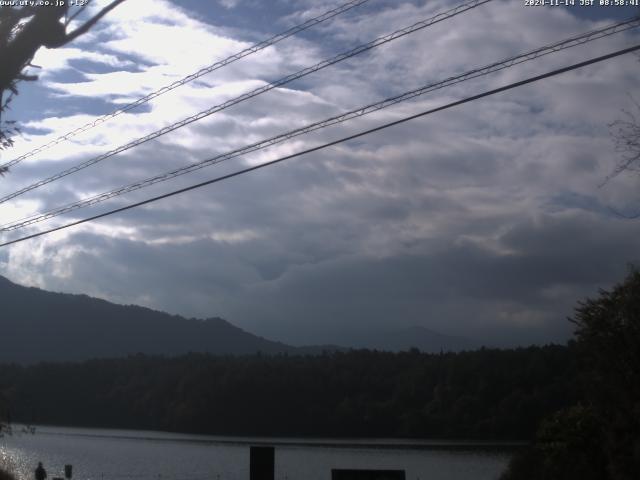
36 325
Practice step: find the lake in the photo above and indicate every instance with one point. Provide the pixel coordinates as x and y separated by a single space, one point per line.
139 455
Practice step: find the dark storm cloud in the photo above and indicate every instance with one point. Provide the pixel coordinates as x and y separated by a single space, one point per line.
519 295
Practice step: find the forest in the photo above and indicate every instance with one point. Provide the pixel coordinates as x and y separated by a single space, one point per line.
483 394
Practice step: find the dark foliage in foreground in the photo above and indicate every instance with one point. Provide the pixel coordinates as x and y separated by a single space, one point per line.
480 394
599 438
4 475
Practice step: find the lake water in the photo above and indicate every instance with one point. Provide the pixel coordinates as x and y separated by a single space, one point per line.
137 455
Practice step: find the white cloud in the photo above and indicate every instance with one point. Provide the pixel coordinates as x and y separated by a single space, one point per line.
55 60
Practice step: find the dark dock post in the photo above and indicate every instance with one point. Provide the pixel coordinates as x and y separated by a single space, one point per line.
262 463
349 474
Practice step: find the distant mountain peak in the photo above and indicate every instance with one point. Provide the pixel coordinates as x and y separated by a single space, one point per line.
414 336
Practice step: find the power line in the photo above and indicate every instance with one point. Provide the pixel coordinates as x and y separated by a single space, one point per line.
335 142
203 71
258 91
478 72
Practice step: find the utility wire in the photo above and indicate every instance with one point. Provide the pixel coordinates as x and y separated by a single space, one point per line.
258 91
478 72
215 66
335 142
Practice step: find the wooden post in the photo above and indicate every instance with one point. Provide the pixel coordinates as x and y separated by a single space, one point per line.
262 463
348 474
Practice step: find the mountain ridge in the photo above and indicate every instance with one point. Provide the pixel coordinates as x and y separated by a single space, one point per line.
87 327
39 325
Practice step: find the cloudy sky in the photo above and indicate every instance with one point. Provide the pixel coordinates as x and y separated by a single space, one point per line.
488 220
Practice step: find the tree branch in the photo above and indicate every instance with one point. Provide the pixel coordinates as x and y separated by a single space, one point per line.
90 23
78 12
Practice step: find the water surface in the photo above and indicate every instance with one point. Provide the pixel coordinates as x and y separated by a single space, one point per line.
138 455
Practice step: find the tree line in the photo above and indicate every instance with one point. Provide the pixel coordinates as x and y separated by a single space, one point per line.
483 394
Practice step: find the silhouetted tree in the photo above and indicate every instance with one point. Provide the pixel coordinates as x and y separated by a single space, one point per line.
608 339
600 437
24 30
626 134
567 446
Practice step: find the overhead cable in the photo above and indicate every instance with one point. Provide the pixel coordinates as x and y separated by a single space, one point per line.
330 144
478 72
203 71
258 91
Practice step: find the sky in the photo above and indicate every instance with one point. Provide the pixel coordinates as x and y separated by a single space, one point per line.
491 220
